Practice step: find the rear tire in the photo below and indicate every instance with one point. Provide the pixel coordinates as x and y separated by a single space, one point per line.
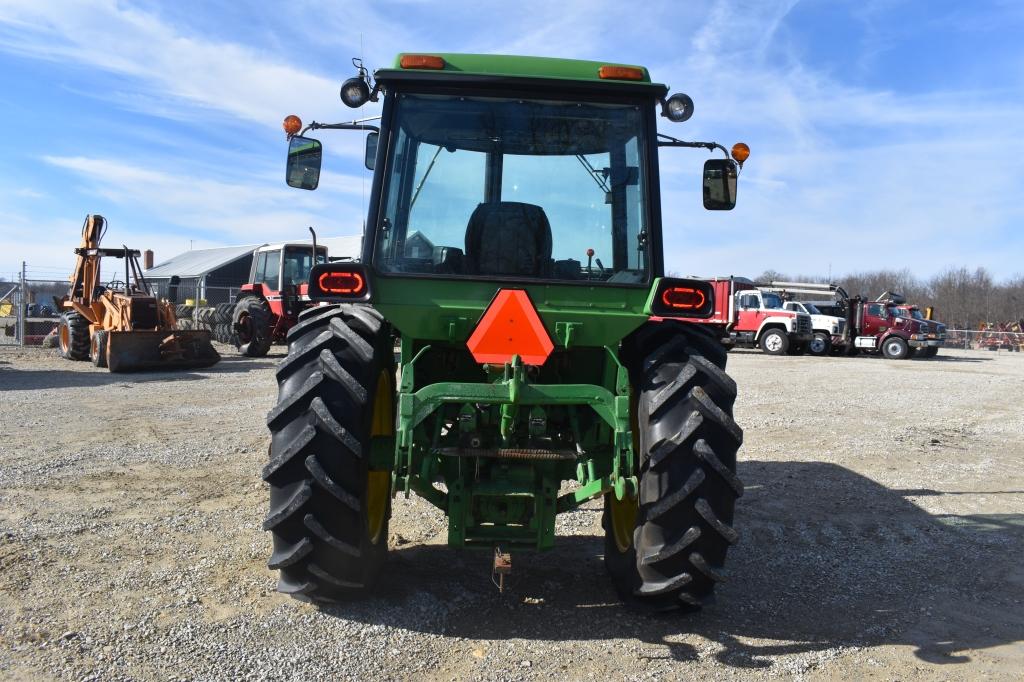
251 325
895 348
798 348
820 345
774 342
929 352
98 348
688 485
73 336
328 512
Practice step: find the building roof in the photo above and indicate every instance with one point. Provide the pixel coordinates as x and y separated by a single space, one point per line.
198 262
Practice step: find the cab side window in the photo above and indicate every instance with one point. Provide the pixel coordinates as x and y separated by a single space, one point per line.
261 266
749 301
272 270
875 310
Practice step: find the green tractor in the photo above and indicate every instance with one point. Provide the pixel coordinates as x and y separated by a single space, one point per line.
505 346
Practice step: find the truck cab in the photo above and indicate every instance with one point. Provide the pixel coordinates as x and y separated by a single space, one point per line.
826 328
935 332
761 319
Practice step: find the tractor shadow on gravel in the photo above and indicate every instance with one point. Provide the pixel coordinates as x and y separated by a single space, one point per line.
827 560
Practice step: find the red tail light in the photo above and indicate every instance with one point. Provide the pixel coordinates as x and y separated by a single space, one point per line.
683 298
693 298
339 281
342 283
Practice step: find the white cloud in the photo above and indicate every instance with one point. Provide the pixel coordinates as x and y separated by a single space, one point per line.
169 67
261 209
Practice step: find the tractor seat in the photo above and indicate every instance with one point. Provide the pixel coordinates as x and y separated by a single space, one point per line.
508 238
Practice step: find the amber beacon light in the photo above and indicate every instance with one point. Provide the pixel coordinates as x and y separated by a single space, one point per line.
620 73
292 125
421 61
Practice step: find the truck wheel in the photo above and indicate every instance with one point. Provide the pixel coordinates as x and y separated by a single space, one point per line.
798 348
251 324
98 348
895 348
328 511
667 551
73 336
820 345
928 352
774 342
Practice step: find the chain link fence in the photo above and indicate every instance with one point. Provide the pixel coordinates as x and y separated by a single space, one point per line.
991 340
28 311
30 305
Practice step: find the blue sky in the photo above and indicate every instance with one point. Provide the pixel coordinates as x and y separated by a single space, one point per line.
885 134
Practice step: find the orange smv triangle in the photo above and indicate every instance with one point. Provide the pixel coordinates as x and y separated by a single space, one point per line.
510 327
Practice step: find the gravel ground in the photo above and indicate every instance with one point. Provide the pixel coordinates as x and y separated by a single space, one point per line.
882 537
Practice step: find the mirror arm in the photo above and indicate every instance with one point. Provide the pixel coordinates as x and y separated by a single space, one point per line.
339 126
669 141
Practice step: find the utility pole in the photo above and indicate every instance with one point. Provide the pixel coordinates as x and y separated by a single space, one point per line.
21 307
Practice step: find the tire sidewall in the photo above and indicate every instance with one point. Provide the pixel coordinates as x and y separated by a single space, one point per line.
895 348
774 348
823 347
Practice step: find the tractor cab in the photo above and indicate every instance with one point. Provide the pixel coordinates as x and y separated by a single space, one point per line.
277 268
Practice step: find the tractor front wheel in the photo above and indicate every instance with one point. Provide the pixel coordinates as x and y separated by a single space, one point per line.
251 324
328 510
73 336
687 440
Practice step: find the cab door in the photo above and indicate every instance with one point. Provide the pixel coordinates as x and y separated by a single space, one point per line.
749 312
876 319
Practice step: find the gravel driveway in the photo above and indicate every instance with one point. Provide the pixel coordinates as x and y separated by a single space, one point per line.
882 535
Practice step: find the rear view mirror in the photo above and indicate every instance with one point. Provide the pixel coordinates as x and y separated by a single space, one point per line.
304 157
720 184
370 159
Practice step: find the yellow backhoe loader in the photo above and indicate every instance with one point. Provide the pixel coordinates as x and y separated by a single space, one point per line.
121 325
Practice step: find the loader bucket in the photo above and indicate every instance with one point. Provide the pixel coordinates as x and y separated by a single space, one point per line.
179 349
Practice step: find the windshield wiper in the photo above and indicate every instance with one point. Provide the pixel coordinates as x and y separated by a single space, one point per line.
598 176
425 176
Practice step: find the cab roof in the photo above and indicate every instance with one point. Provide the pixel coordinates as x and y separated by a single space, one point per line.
477 67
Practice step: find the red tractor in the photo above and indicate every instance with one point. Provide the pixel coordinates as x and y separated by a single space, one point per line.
269 305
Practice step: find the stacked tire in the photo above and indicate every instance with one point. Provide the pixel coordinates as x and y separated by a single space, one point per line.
214 319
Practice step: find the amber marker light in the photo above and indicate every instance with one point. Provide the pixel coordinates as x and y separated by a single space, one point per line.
683 298
621 73
421 61
342 283
740 152
292 124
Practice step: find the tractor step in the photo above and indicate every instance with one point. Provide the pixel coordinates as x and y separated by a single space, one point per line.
510 453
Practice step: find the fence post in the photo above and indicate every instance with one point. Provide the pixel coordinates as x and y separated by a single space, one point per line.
21 307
